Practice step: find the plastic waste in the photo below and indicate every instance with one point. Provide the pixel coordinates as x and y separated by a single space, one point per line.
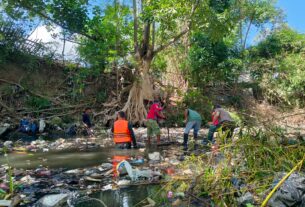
5 203
123 182
8 144
138 161
135 174
42 125
53 200
247 198
107 187
170 194
155 156
291 193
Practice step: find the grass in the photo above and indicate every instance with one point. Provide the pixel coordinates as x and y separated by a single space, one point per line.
3 194
253 159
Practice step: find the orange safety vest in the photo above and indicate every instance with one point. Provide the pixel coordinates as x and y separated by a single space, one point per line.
121 132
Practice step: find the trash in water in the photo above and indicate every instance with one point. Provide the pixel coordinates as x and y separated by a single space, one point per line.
135 174
123 182
53 200
155 156
107 187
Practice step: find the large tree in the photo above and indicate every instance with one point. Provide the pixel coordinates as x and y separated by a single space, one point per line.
155 26
160 24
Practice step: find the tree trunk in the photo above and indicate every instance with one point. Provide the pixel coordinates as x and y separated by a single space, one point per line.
141 90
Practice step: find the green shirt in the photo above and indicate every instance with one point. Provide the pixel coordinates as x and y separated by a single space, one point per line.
193 115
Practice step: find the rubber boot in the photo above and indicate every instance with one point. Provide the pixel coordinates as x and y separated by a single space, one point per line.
185 139
195 139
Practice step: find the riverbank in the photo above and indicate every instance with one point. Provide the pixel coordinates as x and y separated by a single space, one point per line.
242 170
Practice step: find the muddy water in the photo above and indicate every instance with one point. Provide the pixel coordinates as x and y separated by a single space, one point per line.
69 159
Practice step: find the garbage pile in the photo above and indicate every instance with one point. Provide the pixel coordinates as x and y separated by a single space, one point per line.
52 187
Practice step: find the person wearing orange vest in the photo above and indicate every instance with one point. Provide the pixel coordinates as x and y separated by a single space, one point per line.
123 133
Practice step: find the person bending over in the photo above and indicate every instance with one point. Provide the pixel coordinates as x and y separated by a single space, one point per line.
193 121
224 120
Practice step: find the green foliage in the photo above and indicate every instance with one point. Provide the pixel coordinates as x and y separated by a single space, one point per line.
212 61
114 29
69 14
2 194
194 99
260 12
285 40
277 64
6 89
220 5
249 160
175 116
101 96
57 121
38 102
237 119
66 120
159 66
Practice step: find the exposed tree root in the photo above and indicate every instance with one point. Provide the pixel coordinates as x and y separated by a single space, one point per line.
134 107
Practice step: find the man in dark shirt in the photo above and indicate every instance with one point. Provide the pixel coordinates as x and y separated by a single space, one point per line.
86 120
86 117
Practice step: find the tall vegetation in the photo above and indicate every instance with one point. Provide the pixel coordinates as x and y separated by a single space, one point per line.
276 63
212 35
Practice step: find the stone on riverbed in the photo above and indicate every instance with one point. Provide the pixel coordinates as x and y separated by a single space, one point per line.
55 200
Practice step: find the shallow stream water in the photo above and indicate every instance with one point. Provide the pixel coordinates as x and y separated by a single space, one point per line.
69 159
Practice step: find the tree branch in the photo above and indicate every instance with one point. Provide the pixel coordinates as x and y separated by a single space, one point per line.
172 41
248 29
135 26
146 37
176 38
44 16
153 35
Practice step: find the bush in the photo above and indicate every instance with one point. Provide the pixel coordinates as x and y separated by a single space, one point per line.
195 100
101 96
278 66
175 116
37 102
286 85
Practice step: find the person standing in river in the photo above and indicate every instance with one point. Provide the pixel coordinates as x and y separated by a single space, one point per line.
123 133
193 121
152 125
